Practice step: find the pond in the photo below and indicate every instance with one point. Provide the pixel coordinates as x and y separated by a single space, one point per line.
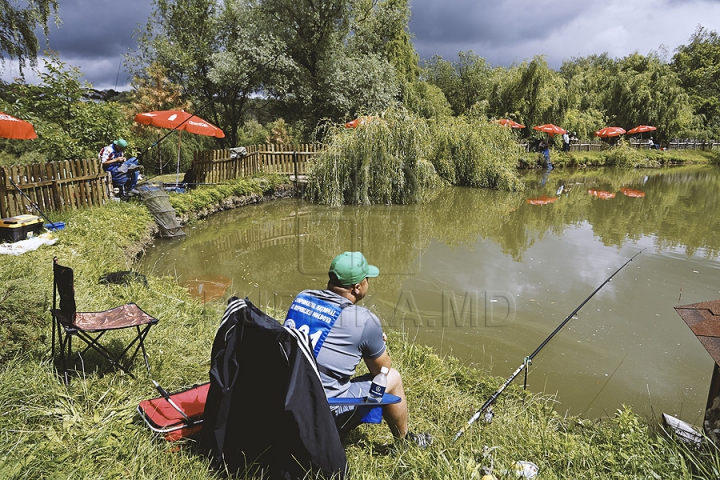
486 276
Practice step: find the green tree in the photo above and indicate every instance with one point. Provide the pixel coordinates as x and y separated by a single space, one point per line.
68 126
252 64
311 34
531 92
18 26
181 37
586 79
381 28
465 83
644 90
698 67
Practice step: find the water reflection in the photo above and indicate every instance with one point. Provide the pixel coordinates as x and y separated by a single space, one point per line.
487 275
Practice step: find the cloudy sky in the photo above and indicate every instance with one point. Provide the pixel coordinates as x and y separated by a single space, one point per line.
96 33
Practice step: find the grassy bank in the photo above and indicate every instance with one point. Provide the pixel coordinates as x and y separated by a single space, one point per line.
630 157
91 429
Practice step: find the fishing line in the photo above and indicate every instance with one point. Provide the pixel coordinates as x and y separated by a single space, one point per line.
529 358
605 384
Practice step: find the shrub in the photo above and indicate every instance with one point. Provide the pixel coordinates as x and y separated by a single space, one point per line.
399 157
629 157
380 162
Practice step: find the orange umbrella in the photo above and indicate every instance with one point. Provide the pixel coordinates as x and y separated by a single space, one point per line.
629 192
179 120
609 132
550 129
358 121
544 200
601 194
641 129
510 123
11 127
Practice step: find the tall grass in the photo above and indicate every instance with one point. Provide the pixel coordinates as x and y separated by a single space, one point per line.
90 429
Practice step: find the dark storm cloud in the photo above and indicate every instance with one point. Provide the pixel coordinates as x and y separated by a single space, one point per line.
446 28
95 34
510 31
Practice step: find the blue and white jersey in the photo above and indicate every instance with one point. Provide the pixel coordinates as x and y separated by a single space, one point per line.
342 335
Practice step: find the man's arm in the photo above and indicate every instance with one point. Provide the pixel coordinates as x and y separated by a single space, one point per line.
375 364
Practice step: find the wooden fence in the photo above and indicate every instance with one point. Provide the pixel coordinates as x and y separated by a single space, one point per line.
693 144
574 146
52 186
217 166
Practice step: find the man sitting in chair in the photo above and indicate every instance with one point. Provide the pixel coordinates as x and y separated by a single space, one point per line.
125 172
342 334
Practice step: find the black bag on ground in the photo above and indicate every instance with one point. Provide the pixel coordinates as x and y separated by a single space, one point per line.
266 409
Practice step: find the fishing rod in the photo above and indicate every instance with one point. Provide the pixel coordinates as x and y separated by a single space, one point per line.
32 202
529 358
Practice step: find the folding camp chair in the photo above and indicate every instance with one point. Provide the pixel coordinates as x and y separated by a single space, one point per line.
180 415
90 327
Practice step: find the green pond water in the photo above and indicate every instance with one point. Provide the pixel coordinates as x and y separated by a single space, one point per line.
486 276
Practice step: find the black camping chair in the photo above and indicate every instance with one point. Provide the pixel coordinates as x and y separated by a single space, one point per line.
91 326
265 406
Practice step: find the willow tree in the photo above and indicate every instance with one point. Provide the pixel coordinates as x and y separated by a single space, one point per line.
645 90
698 67
533 92
586 79
18 27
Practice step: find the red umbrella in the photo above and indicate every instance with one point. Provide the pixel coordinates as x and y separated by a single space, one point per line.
550 129
11 127
359 121
641 129
179 120
609 132
510 123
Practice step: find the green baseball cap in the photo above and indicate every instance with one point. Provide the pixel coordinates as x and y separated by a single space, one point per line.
352 267
120 143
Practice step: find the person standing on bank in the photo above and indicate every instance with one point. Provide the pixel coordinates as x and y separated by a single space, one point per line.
343 333
566 142
544 147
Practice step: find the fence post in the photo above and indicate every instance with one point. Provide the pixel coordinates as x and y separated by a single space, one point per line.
295 165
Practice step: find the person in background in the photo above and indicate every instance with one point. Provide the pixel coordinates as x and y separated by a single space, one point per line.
652 144
343 333
566 142
124 172
113 153
544 147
